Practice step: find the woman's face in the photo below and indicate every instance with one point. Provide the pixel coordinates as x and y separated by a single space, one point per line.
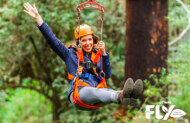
87 43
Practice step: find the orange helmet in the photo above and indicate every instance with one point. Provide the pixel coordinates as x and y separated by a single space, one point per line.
85 30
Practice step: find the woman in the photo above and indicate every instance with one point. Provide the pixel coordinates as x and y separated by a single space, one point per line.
89 94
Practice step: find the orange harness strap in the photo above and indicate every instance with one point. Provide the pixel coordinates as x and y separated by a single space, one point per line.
76 99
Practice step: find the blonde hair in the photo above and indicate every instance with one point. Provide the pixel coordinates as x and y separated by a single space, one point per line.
72 44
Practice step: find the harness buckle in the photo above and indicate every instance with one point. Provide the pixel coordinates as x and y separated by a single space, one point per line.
88 65
102 74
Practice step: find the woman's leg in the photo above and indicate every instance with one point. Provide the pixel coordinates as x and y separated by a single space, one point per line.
102 96
91 95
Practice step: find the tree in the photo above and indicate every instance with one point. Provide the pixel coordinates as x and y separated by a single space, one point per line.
146 38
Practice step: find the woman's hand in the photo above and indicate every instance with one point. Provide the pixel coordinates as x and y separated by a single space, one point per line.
33 12
101 47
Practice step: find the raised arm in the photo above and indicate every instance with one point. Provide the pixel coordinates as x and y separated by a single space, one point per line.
33 12
52 40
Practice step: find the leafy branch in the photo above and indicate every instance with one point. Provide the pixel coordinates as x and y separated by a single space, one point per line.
187 27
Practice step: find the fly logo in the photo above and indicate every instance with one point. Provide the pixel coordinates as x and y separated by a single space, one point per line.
169 112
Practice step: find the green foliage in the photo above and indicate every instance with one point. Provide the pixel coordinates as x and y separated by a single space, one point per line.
154 91
179 65
180 78
177 17
103 115
24 106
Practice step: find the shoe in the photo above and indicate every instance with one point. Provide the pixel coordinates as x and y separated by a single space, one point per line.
128 88
137 90
124 95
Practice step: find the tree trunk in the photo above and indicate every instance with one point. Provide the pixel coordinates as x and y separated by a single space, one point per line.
146 38
55 107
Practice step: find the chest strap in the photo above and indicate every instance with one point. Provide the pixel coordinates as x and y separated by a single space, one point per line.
88 64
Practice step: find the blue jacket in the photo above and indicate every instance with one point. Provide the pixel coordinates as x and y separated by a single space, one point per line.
70 58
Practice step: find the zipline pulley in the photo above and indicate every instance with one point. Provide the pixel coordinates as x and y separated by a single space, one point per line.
92 4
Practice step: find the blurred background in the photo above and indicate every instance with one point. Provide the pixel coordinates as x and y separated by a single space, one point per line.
137 34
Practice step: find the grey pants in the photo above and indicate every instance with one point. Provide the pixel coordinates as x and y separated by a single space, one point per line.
91 95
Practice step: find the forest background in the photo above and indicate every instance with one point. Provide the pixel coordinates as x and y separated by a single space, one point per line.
33 79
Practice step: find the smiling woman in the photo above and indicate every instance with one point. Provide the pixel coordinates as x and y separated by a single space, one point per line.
87 67
87 43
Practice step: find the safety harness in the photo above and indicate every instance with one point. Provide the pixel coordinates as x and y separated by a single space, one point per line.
77 82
